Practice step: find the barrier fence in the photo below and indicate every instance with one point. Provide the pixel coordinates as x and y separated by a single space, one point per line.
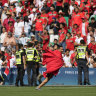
66 76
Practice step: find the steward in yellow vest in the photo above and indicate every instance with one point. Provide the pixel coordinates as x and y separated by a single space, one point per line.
31 55
21 64
82 61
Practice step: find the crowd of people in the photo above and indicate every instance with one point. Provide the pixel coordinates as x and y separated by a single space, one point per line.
45 23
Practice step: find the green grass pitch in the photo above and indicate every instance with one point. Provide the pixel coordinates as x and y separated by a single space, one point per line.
48 91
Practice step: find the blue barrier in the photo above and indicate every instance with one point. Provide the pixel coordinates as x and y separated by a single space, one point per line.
66 76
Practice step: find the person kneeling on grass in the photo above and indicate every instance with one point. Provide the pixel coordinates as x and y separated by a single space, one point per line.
53 61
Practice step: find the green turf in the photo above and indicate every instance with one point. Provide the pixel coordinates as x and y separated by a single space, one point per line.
48 91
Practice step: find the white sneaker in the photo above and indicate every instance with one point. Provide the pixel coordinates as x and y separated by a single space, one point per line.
37 88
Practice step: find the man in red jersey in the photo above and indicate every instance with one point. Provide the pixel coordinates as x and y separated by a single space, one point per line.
39 26
70 43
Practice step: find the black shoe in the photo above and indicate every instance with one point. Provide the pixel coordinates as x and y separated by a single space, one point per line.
16 85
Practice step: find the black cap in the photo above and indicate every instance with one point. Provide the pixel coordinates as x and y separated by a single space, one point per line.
38 13
17 17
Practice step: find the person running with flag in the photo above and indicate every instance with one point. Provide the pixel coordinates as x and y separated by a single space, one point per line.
53 61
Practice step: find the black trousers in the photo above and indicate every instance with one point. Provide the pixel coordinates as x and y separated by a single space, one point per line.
32 78
82 67
20 74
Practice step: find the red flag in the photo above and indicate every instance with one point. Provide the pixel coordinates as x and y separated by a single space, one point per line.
53 61
6 72
7 68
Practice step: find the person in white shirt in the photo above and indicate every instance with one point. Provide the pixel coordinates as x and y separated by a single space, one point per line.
32 16
3 15
71 7
66 58
78 38
3 36
23 40
18 27
19 8
90 34
27 27
41 2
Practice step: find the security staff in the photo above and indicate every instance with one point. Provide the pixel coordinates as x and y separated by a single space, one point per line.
21 64
82 61
31 65
38 59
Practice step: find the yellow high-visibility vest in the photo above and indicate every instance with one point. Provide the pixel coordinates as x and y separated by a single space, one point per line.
18 57
38 57
81 52
30 54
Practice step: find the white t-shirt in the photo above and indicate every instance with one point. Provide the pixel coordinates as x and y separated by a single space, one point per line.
88 39
83 29
18 28
77 40
71 9
67 61
23 40
12 61
26 27
0 65
18 9
32 18
12 1
3 16
2 37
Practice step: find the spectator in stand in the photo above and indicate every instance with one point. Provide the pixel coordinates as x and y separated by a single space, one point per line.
66 59
10 27
59 4
78 39
18 27
93 23
3 15
32 40
75 30
39 26
71 7
23 39
44 16
66 9
27 27
61 18
45 38
62 36
52 14
12 8
3 36
47 9
9 41
92 45
70 43
90 34
85 5
5 23
55 27
19 8
73 58
76 17
83 27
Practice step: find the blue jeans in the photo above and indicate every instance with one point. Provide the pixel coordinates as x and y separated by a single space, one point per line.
63 44
36 35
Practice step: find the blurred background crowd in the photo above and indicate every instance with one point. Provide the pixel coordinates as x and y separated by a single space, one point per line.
54 22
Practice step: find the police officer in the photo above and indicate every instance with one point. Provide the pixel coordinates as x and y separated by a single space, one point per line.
82 61
38 59
21 64
31 65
